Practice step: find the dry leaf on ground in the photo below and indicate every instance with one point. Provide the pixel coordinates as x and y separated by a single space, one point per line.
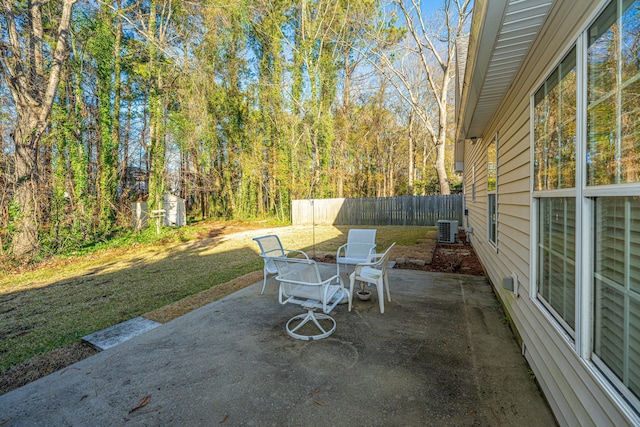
144 402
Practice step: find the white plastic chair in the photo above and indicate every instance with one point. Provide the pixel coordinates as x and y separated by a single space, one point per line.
271 247
360 245
300 283
373 272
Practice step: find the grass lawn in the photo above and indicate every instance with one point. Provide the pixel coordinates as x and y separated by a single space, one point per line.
65 299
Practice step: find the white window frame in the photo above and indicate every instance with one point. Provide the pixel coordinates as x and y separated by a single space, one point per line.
562 327
492 239
473 182
582 342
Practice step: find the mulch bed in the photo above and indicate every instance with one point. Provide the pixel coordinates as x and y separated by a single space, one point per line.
456 258
459 258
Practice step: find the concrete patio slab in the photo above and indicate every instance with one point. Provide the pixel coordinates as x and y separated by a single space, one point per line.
440 355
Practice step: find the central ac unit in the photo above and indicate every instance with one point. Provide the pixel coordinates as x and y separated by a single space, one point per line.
447 231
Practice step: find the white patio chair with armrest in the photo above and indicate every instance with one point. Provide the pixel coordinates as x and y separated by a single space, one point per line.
300 283
271 247
373 272
361 243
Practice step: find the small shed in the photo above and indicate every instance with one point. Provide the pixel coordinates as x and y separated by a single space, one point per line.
175 211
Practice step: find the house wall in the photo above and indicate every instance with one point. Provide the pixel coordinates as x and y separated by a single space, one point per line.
576 391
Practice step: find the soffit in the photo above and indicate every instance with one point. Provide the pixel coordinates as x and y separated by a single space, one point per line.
504 36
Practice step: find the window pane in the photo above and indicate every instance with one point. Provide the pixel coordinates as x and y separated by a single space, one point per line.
617 287
609 327
634 248
556 256
634 347
613 153
473 183
630 97
555 128
492 166
567 123
493 217
610 246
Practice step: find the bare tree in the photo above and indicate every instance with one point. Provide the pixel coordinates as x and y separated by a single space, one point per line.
33 85
434 48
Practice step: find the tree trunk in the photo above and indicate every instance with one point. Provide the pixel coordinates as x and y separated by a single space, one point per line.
25 242
443 180
411 155
156 128
117 103
33 94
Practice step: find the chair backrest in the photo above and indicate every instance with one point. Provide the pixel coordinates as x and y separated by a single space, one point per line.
382 262
301 283
360 242
270 246
299 278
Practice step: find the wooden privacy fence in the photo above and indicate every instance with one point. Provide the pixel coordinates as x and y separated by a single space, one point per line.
404 210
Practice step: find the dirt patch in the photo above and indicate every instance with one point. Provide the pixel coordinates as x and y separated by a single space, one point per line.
39 366
426 255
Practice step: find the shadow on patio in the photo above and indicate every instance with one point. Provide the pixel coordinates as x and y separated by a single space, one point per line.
440 355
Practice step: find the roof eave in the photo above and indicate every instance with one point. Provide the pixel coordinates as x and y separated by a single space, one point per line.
485 27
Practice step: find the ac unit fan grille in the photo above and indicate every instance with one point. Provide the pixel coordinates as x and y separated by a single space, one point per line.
447 231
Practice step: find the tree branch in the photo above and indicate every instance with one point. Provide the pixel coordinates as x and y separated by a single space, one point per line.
10 19
58 58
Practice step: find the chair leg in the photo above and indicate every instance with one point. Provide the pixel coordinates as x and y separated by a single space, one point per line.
386 285
352 279
380 286
264 282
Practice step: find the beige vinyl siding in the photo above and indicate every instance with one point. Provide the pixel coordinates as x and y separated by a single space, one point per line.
513 199
557 379
572 386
